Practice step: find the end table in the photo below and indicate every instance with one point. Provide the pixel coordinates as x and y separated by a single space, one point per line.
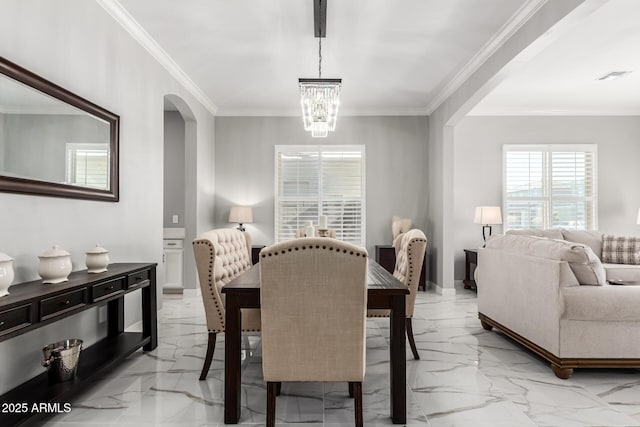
470 257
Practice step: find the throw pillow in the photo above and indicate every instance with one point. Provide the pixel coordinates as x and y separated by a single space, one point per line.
584 264
620 249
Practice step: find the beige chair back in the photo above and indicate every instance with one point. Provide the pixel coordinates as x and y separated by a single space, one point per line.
300 232
313 304
409 259
221 255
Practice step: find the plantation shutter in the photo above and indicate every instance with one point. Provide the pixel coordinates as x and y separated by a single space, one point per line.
320 180
550 186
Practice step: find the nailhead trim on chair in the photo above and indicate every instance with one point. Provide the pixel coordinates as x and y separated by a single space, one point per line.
211 283
266 253
410 275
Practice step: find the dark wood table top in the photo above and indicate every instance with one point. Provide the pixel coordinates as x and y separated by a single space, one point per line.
379 281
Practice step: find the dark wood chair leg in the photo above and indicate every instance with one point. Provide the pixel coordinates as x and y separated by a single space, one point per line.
211 346
485 325
278 388
357 394
272 391
350 389
412 343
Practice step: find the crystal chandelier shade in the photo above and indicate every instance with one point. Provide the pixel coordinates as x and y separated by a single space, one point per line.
319 99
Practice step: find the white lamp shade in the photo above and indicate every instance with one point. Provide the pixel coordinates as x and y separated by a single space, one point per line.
241 214
638 216
488 215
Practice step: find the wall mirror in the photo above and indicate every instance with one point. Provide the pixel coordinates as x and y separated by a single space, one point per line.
53 142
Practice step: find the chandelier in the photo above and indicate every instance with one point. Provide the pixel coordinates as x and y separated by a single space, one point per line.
319 98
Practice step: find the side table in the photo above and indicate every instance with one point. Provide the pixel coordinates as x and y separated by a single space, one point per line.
470 257
255 253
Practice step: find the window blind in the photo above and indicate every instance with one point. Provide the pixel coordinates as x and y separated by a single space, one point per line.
550 186
88 165
320 180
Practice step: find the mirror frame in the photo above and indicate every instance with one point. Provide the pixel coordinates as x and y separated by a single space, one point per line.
45 188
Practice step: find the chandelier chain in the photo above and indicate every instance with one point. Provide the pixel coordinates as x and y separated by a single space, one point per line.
319 57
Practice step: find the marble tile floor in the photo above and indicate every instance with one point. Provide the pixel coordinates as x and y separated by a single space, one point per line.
466 377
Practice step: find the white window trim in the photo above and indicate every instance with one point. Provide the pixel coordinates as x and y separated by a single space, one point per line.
549 148
320 148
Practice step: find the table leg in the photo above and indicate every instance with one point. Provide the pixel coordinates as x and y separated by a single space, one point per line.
115 317
398 360
232 368
150 312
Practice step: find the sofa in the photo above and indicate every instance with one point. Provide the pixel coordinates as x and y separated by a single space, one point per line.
550 291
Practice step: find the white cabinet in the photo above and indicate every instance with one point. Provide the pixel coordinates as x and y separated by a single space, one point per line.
173 263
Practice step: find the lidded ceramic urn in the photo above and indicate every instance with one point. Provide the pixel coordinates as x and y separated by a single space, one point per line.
6 273
97 259
55 265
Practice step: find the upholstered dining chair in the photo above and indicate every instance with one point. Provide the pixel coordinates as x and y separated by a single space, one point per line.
221 255
313 302
300 232
410 249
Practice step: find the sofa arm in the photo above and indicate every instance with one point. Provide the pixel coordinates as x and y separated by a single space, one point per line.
522 293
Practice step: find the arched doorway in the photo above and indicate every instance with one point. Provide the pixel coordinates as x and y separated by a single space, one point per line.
179 216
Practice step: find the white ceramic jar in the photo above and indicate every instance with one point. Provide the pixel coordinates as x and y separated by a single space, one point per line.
55 265
6 273
97 259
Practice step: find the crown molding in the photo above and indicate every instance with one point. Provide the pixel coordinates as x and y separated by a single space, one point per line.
526 11
295 112
491 112
128 22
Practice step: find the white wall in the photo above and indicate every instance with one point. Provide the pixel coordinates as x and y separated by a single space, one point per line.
396 172
77 45
478 168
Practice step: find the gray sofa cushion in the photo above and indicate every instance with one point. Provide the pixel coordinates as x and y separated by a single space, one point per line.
586 266
551 234
593 239
622 272
620 249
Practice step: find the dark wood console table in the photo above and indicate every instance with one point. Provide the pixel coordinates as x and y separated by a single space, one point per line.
32 305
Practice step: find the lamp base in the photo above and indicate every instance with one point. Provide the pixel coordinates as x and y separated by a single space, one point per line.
484 236
241 227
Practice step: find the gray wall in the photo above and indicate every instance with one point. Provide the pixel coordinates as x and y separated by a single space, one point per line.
79 46
35 144
478 168
396 172
174 172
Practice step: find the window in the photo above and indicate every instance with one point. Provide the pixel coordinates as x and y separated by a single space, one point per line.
320 180
550 186
88 165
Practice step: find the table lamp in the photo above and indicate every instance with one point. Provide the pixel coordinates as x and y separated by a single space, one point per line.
487 216
241 215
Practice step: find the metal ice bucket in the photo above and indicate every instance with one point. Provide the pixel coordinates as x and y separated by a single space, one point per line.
61 359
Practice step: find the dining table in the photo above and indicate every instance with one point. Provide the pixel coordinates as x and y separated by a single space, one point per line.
384 291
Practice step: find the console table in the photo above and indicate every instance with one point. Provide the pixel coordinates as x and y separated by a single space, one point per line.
32 305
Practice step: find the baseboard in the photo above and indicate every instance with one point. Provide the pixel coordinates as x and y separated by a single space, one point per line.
173 290
445 292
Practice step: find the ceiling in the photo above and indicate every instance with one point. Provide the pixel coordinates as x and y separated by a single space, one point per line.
394 57
562 79
244 57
